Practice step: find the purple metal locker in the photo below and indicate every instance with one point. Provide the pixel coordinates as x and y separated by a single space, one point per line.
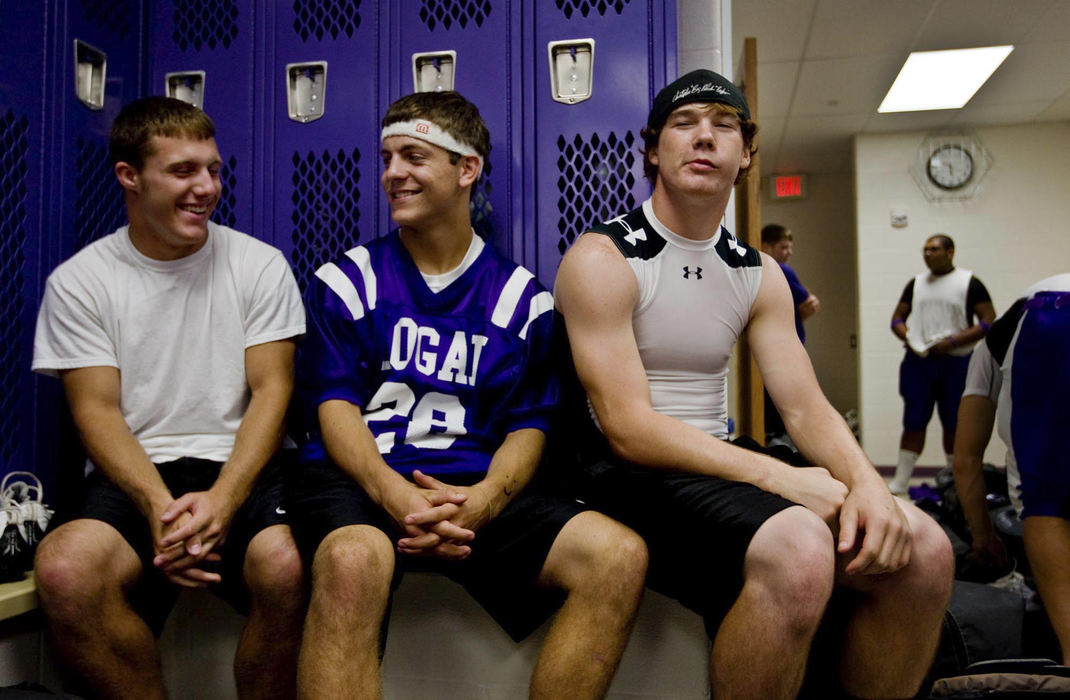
487 38
325 188
218 37
587 164
22 249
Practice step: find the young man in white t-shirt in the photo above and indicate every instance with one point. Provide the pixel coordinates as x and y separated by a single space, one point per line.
174 340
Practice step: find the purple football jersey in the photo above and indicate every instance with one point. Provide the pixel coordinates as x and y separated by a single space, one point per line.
440 378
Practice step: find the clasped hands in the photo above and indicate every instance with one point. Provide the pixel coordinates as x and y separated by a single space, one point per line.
187 534
437 519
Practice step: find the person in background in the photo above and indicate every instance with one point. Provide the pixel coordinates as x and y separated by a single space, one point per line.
1018 379
778 243
935 319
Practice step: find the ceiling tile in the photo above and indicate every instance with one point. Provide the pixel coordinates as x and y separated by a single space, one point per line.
844 28
779 26
844 85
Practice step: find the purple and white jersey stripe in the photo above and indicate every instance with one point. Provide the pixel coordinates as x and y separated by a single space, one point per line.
440 378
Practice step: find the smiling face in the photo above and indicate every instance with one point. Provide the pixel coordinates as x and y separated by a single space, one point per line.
780 251
422 186
170 198
700 151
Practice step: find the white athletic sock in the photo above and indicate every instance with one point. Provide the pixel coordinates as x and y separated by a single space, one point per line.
903 470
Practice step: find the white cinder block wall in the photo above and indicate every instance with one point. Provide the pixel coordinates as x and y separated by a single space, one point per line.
1014 231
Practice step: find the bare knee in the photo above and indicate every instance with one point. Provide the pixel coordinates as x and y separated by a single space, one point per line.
353 567
77 572
927 578
791 563
272 568
596 554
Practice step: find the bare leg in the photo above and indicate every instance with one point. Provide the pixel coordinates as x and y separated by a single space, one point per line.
1047 544
892 634
265 665
602 566
84 570
761 648
351 576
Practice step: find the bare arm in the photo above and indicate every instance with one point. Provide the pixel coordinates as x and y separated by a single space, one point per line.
269 371
821 433
809 306
985 313
511 469
94 394
596 292
973 430
899 320
352 447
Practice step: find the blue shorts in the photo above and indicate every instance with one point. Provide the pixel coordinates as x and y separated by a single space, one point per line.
1040 410
925 381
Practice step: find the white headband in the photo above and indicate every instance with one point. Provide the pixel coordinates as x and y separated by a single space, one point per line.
431 133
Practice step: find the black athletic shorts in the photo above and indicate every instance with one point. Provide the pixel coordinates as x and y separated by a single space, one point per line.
697 528
507 553
154 595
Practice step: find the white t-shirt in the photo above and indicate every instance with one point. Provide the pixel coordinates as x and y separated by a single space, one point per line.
177 330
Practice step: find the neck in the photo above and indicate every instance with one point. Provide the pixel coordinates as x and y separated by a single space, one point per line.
439 248
694 216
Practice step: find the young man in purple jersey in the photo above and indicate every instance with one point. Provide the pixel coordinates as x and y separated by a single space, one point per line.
427 378
753 544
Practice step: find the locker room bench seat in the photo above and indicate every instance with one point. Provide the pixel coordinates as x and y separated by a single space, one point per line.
441 646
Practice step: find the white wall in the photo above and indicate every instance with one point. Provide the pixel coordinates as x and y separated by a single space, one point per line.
1011 233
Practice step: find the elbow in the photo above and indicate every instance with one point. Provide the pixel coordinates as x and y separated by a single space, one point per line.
625 439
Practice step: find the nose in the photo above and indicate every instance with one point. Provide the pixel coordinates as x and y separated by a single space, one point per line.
205 183
704 133
392 168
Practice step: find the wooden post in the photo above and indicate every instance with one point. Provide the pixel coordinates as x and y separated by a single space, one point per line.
748 228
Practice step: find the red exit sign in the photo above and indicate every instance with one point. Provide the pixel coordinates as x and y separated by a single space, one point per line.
787 186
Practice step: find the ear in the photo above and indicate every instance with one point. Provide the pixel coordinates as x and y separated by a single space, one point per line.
127 175
652 155
469 170
744 162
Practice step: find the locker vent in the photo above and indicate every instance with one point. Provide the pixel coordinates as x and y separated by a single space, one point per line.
446 12
595 183
480 206
322 17
585 6
325 212
113 16
200 23
225 212
98 199
13 152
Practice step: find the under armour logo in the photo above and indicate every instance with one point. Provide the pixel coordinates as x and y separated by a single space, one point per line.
633 236
697 272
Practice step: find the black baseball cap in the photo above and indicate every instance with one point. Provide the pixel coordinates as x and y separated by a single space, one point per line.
697 86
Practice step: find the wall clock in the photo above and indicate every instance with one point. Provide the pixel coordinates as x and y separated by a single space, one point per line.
950 165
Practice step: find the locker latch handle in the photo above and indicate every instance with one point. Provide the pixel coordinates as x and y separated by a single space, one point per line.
187 86
90 72
433 71
571 69
306 90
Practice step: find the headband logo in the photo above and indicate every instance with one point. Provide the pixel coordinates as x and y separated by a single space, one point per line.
705 87
423 127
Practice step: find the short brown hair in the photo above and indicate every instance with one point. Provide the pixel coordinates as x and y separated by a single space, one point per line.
775 233
449 110
142 119
748 127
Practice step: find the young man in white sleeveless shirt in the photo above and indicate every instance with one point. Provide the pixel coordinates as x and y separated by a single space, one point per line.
653 302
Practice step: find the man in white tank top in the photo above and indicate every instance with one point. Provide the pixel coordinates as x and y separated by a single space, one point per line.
653 302
935 320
